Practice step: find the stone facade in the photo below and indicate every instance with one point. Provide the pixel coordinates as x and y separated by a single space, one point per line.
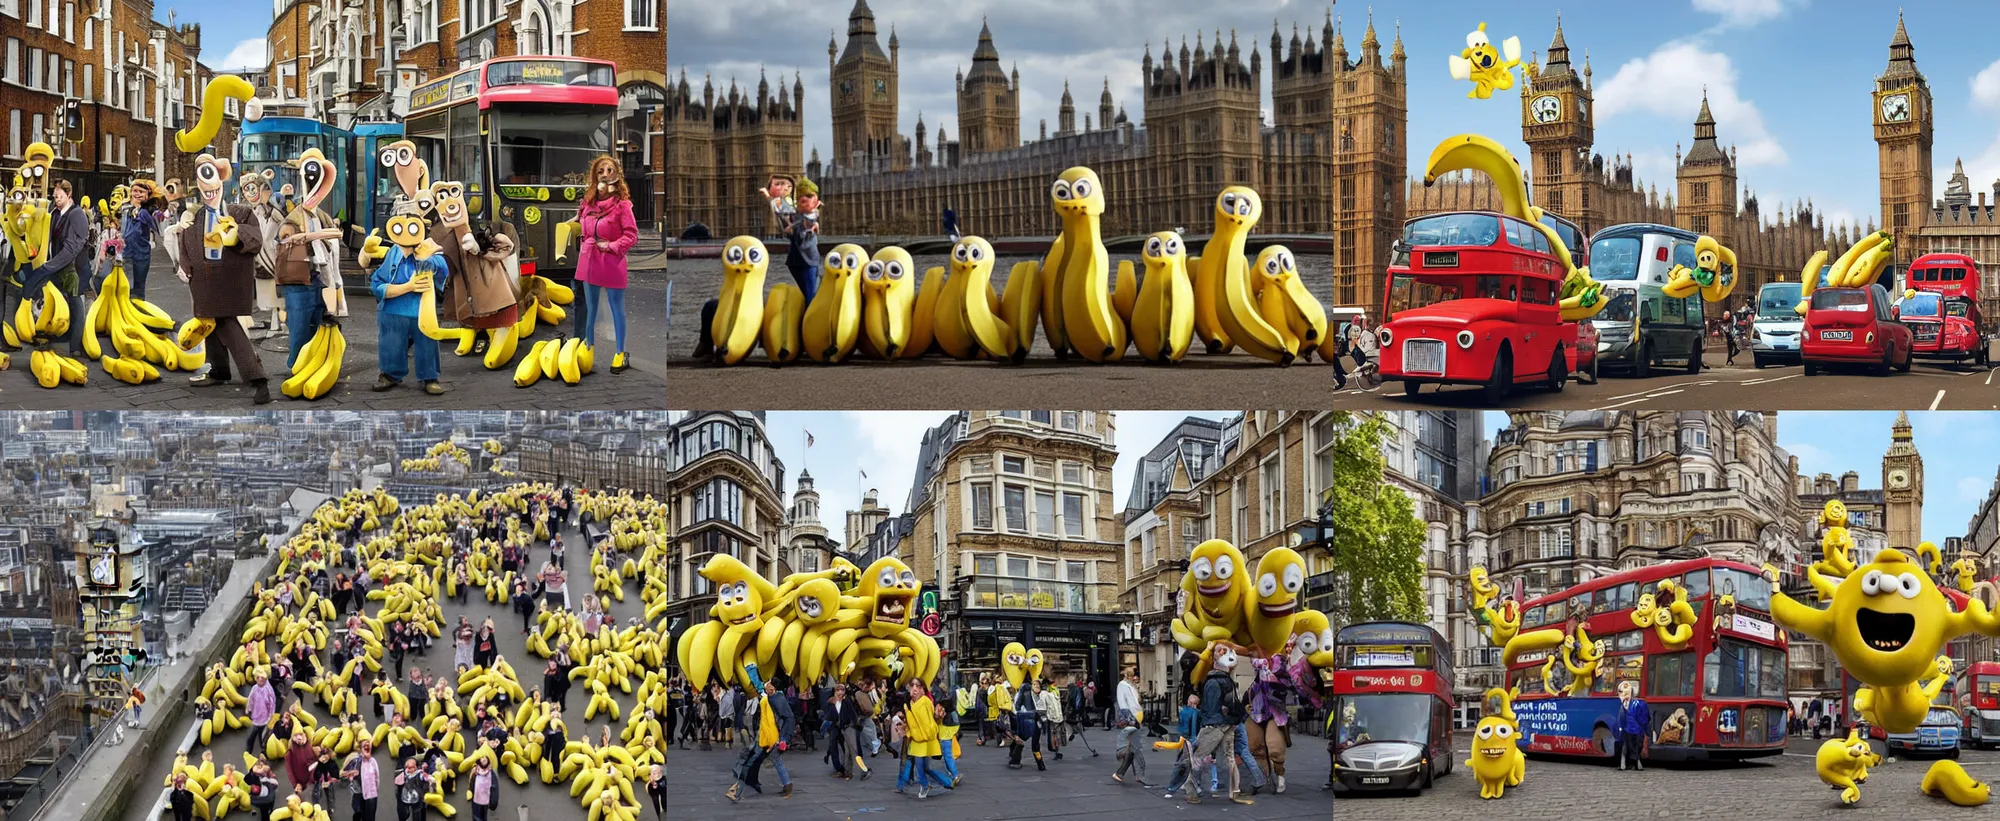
724 495
804 537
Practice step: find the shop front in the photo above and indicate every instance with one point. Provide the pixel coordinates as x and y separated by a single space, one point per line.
1074 645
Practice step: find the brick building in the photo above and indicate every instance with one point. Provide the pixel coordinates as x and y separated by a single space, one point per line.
135 80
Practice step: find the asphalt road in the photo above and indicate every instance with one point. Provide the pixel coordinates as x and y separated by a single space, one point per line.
1928 386
1233 380
544 802
467 381
1776 787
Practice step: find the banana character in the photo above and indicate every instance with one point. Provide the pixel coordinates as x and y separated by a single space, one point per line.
1163 315
222 87
1949 781
412 173
1497 762
1013 664
1281 574
1967 570
1284 302
1843 764
736 615
833 319
1312 637
1217 585
1673 621
36 162
739 313
1582 657
972 268
1222 272
1076 306
1580 296
1033 663
1483 589
888 291
1886 624
1714 272
784 311
1481 63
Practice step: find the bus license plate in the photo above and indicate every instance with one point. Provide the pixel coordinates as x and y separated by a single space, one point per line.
1423 356
1375 779
1840 336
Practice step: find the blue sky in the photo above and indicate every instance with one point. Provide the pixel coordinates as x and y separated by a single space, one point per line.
1961 451
1788 80
885 443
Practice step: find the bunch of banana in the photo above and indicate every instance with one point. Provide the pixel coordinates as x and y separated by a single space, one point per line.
318 365
138 329
547 298
34 324
298 809
194 331
132 371
1222 284
52 369
1856 268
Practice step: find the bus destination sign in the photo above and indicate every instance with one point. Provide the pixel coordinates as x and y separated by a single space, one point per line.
549 73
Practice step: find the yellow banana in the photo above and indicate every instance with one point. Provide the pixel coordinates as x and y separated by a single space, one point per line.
1838 273
530 370
1298 313
566 361
549 355
500 347
948 323
194 331
1021 303
1948 780
888 293
328 374
24 321
833 320
73 371
782 314
1089 326
92 347
739 313
586 359
310 358
972 261
1163 313
923 315
1237 211
220 88
1809 277
558 294
47 373
1124 291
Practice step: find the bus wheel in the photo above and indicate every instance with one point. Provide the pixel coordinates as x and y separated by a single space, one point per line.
1642 367
1694 357
1558 371
1412 387
1499 381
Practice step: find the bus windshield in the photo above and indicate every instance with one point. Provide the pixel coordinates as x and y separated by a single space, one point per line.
1383 717
1941 717
1840 299
1615 258
274 146
1620 307
1453 229
550 145
1921 304
1778 301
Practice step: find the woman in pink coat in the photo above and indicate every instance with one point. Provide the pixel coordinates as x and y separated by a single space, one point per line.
608 231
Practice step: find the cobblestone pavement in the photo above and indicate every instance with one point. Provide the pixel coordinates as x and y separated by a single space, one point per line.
468 383
1770 788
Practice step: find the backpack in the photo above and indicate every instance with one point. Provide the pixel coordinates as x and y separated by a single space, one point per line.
1232 706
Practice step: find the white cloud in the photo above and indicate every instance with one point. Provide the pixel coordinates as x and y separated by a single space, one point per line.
251 53
1669 83
1972 489
1741 12
1982 169
886 445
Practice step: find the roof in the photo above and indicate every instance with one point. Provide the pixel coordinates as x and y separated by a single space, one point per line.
861 42
986 59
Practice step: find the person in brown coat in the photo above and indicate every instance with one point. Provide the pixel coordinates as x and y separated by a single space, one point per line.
218 260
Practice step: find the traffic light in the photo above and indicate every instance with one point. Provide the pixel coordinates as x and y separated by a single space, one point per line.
73 120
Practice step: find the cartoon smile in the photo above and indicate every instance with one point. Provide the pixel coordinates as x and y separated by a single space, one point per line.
747 617
892 607
1213 590
1494 753
1886 632
1279 610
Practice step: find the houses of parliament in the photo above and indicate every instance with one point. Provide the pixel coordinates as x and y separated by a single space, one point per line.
1334 160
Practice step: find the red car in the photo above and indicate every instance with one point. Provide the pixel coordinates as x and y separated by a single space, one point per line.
1855 326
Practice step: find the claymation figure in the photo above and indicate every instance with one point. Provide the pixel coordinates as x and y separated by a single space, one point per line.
309 256
218 251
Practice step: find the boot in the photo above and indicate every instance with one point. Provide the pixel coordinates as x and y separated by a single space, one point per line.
788 791
263 387
1038 762
1639 765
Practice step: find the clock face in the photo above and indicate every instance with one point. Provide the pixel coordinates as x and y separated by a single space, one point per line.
1899 478
1546 108
1896 108
847 89
103 571
881 89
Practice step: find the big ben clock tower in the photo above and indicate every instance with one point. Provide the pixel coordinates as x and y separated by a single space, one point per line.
1903 487
1902 118
1557 126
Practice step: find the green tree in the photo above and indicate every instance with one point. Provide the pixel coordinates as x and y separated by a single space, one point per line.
1377 541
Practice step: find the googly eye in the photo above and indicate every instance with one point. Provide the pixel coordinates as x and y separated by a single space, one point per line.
1308 644
977 253
208 173
1082 188
875 270
958 253
1326 638
887 578
733 255
1486 731
404 155
1504 731
1173 247
894 270
1267 585
1871 583
388 158
1154 246
1201 569
754 255
1272 266
1224 567
1290 264
1295 578
1060 190
909 579
1911 587
1229 203
1243 208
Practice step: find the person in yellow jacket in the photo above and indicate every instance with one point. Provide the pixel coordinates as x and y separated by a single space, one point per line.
1000 709
921 717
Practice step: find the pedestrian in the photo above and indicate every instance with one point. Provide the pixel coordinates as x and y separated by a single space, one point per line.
181 799
867 704
1729 335
411 784
363 776
325 774
1130 756
1049 716
769 741
950 708
1635 722
608 233
1186 727
920 716
136 228
485 788
68 242
839 715
799 222
524 604
218 253
656 789
951 224
725 715
1215 743
1024 731
263 705
1278 681
999 703
262 786
408 266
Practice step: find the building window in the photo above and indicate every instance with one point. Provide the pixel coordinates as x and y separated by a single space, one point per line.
720 499
1190 533
1045 513
642 14
1273 487
88 72
1017 566
41 126
1016 500
11 8
1045 470
1240 528
69 78
1147 555
477 14
34 14
985 565
1072 473
11 72
34 68
89 32
1073 517
1017 465
121 152
14 133
1069 420
980 464
1322 443
1076 572
982 506
424 22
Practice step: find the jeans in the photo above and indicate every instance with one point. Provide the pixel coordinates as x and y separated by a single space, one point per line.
615 299
364 808
1242 747
303 311
410 812
1129 756
866 739
399 335
1211 746
135 270
836 751
806 274
950 761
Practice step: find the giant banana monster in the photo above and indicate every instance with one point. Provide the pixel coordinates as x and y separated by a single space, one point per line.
1163 315
739 313
1857 267
1225 315
833 320
1284 302
972 261
1580 297
1076 308
808 627
888 288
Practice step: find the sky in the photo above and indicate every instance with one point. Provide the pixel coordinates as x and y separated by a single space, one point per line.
232 34
1960 449
884 445
1787 80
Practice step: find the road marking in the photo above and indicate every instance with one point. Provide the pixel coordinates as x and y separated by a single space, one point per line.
1664 393
1646 391
1989 377
1624 403
1939 398
1769 381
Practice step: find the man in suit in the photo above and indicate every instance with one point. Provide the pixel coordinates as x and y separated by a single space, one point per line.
69 236
219 243
840 714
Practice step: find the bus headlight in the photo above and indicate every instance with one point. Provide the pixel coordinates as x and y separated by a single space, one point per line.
1385 337
1465 339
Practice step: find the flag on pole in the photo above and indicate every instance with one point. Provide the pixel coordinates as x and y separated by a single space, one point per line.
809 437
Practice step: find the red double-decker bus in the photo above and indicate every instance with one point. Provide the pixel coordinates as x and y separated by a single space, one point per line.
1721 696
1943 315
520 133
1978 699
1391 720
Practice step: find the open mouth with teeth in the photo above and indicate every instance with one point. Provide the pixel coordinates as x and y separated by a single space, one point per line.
1279 610
893 608
1494 753
747 617
1884 632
